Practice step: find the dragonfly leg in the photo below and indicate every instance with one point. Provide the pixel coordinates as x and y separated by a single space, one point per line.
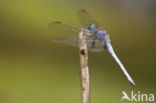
93 43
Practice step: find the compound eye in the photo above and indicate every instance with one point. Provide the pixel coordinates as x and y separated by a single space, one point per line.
92 27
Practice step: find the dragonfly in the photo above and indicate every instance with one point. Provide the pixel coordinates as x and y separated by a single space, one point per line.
97 39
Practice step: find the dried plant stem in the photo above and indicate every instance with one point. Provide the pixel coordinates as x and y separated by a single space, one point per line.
84 68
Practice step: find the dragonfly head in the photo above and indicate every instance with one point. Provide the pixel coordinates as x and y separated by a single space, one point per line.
92 27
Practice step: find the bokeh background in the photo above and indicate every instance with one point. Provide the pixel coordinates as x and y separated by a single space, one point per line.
34 69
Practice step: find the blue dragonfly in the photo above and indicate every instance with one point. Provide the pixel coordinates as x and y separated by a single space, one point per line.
97 39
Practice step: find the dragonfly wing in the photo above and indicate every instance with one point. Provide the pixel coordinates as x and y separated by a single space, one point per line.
86 19
65 30
71 42
75 43
97 47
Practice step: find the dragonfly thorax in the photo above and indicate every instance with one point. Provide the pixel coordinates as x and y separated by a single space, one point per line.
102 36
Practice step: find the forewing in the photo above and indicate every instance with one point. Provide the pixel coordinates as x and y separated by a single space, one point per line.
86 19
65 30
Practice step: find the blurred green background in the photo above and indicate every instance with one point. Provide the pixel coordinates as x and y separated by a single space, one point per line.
33 69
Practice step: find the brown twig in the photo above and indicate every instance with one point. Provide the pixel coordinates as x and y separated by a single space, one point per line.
84 68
